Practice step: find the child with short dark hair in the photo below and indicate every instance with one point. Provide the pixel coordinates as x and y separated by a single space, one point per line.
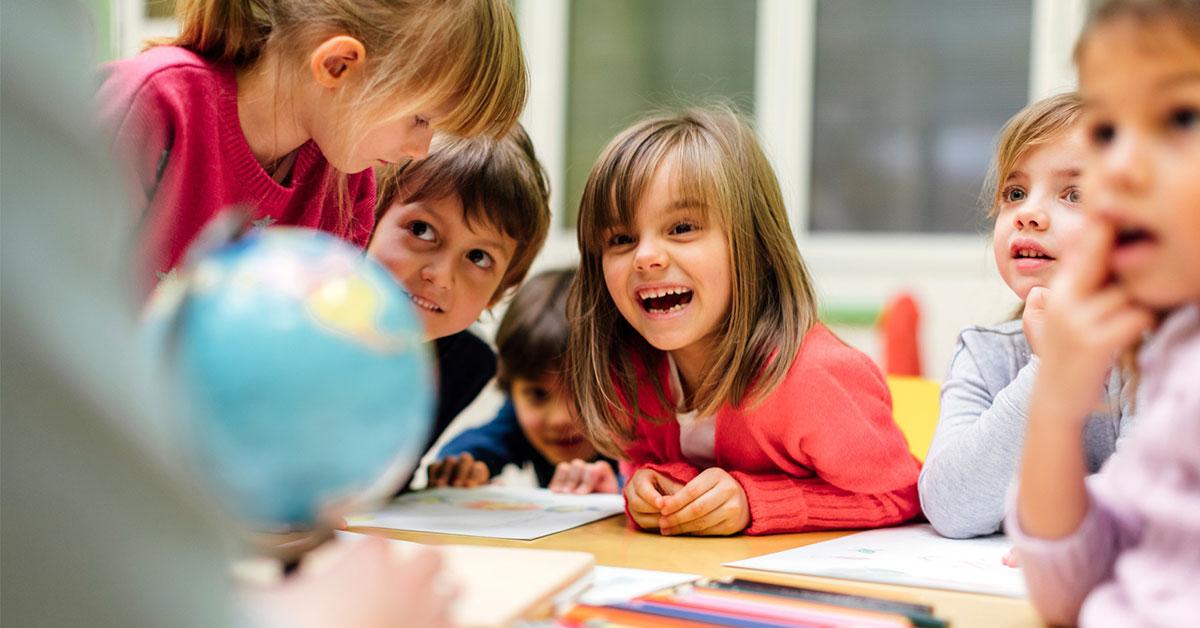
458 230
538 423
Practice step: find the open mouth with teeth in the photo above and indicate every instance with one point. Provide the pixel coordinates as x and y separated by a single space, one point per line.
424 304
1031 254
664 300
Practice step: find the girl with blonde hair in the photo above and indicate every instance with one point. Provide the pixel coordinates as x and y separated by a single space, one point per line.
1034 196
696 355
284 106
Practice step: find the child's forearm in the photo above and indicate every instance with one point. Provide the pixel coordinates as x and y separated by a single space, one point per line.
1052 499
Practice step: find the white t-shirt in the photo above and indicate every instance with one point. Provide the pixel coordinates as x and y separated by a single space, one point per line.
697 435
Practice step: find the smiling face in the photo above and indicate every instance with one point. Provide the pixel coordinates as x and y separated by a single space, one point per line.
1038 217
669 273
547 416
1142 88
450 270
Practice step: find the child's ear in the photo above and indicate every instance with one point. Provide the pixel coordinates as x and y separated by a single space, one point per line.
336 59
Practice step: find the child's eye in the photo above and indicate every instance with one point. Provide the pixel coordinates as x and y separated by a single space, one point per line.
420 121
422 230
1013 194
684 227
1102 133
480 258
1072 195
537 394
620 239
1183 118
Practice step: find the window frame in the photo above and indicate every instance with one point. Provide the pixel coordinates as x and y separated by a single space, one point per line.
784 85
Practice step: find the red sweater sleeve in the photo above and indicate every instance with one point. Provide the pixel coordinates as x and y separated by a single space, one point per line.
833 417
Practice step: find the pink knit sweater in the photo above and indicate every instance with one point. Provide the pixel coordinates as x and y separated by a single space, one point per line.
174 121
1135 558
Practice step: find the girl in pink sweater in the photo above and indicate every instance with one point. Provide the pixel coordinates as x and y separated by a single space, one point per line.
697 355
1123 547
285 106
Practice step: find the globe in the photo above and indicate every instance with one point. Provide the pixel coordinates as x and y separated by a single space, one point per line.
302 373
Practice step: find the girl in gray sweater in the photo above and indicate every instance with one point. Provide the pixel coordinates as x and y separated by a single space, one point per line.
985 398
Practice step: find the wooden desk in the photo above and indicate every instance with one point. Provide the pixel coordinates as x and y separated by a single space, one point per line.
616 545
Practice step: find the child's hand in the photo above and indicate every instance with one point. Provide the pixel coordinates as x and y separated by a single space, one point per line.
713 503
1087 323
460 471
1010 558
581 477
1033 320
361 584
644 492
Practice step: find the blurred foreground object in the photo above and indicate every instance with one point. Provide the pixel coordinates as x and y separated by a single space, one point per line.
302 372
100 528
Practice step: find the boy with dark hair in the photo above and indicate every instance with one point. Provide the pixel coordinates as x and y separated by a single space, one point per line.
459 230
538 423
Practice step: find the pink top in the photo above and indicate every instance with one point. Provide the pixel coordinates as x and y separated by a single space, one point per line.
1135 558
174 120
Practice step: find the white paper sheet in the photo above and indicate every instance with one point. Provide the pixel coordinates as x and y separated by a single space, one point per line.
492 511
909 555
613 585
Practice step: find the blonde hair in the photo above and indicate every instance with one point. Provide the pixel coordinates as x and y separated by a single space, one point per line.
499 181
716 160
461 54
1038 123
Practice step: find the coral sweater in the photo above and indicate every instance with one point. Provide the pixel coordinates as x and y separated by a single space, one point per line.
173 117
821 451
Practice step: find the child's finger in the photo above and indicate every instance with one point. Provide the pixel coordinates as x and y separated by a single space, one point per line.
641 493
593 477
461 470
559 481
437 472
699 485
1086 266
699 508
479 474
1124 328
1036 300
569 475
702 526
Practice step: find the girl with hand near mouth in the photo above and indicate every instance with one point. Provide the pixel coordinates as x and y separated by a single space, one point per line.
1122 547
1035 202
696 355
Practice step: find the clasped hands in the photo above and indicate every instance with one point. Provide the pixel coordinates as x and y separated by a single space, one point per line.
712 504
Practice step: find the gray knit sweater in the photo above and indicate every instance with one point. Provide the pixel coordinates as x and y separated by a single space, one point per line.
976 448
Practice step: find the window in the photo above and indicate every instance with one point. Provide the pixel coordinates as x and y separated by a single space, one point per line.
908 97
629 57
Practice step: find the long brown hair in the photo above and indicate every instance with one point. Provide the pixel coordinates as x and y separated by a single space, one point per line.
464 55
718 161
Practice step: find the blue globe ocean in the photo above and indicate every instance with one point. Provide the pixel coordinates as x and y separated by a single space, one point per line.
302 371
